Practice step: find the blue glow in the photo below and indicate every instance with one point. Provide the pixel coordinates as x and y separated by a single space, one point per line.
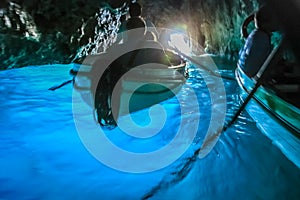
42 157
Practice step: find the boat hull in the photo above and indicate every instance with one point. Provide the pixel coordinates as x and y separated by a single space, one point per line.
270 113
146 91
286 113
139 89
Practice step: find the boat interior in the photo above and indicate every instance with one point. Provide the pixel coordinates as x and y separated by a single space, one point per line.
285 81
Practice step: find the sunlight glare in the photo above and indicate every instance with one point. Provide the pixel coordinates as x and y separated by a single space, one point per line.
180 42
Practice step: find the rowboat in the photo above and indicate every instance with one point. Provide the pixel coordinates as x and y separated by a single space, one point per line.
145 87
276 112
139 87
274 100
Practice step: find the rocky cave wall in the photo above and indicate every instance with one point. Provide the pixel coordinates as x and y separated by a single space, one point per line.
213 24
39 32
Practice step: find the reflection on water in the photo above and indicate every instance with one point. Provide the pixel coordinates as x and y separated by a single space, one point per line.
42 157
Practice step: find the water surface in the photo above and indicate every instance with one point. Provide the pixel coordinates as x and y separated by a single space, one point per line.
42 156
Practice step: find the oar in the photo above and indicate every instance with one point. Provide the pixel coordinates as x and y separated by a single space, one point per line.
201 65
53 88
211 139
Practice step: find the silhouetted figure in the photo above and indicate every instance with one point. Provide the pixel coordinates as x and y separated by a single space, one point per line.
258 44
118 3
135 10
135 51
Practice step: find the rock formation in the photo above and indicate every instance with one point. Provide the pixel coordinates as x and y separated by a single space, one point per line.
52 31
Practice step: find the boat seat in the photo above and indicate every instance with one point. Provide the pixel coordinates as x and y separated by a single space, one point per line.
288 88
286 79
286 85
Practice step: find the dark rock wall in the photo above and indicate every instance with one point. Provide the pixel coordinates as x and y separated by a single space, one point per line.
51 31
44 31
213 24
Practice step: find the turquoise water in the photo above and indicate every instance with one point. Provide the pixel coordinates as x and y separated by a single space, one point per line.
42 156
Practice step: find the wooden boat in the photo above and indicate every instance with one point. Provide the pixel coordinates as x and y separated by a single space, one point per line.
145 87
277 113
276 99
140 88
281 97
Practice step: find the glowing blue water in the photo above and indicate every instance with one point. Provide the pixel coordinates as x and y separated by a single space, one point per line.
42 157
